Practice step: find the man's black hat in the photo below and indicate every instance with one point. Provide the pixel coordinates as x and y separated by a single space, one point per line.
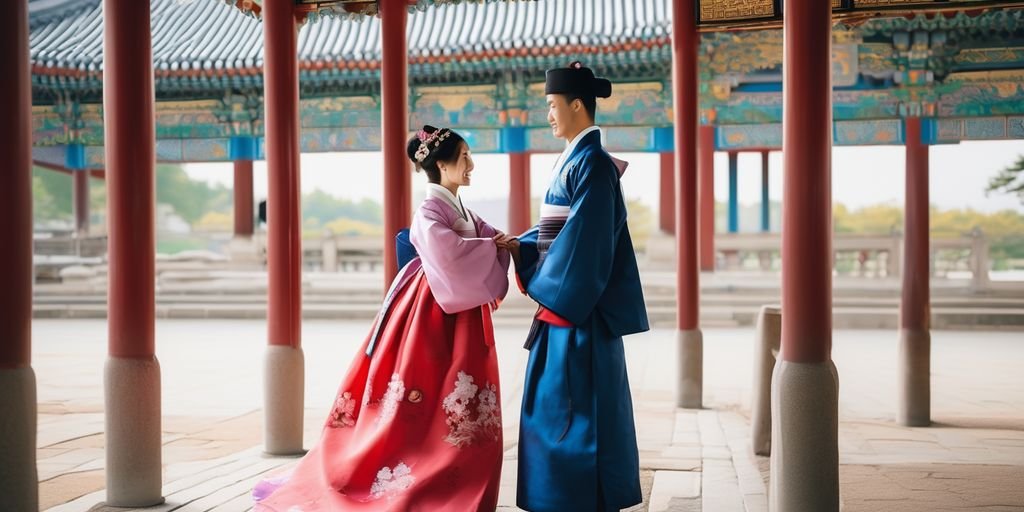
577 80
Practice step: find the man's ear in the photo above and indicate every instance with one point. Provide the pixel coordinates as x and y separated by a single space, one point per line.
576 105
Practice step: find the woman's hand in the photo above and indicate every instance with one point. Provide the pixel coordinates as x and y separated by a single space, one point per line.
502 240
509 243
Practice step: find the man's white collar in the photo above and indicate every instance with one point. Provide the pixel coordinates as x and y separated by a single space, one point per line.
571 146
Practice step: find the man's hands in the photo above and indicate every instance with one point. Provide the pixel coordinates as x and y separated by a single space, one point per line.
509 243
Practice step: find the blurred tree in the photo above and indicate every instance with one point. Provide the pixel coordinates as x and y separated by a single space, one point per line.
1010 180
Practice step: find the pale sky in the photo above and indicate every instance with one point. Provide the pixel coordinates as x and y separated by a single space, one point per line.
861 176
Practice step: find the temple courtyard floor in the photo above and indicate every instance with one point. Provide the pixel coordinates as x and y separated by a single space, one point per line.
972 458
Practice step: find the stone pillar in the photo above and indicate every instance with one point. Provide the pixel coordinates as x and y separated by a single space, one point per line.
132 372
666 193
394 128
706 183
915 309
329 252
684 95
805 386
979 260
19 479
766 350
284 379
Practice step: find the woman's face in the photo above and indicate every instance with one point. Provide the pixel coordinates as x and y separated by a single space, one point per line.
459 171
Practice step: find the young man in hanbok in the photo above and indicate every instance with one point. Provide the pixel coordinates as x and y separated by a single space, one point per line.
577 440
416 422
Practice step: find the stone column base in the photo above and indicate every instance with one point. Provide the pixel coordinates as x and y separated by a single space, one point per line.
766 349
132 398
244 252
915 378
690 387
19 479
805 438
283 395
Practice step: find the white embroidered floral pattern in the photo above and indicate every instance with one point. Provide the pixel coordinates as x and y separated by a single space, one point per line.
463 427
343 414
390 482
389 403
368 392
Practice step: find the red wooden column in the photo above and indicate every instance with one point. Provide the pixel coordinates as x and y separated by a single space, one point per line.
915 310
18 476
667 193
706 182
243 199
284 363
684 96
519 193
394 114
804 458
132 373
80 201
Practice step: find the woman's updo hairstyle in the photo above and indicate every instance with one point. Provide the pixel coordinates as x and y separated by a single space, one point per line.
430 146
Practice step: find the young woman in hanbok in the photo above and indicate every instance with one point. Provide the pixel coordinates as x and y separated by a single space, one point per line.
416 422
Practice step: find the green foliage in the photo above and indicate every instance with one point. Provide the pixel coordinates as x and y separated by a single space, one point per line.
319 205
1009 180
44 206
350 227
640 221
51 192
1004 229
877 219
190 199
167 244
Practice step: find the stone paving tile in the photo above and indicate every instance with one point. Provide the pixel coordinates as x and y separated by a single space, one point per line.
674 486
932 487
720 490
69 486
971 458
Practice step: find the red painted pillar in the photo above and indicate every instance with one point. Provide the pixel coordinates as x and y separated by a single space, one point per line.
243 199
807 217
805 387
128 113
667 194
684 96
80 201
284 360
132 376
915 310
519 219
16 204
18 475
284 223
706 183
394 128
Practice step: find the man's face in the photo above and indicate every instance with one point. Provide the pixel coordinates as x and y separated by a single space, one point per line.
562 115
